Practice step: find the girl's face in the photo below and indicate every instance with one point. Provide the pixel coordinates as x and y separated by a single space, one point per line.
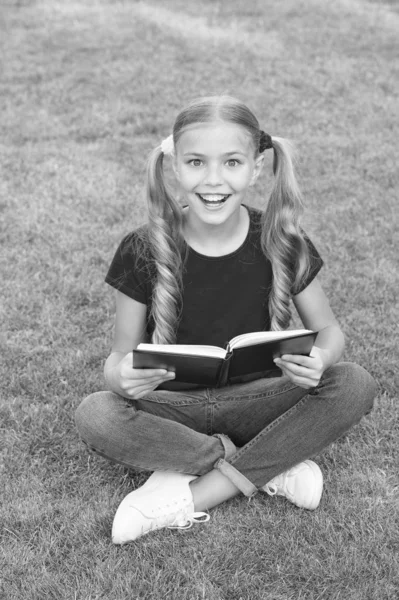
215 165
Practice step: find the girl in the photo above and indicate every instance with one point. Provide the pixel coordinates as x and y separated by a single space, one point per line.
202 273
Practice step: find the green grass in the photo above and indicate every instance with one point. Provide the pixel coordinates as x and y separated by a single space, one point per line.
87 90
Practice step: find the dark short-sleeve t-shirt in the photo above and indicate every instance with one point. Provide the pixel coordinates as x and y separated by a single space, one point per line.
223 296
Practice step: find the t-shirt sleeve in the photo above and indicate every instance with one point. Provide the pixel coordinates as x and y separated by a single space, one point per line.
129 269
315 264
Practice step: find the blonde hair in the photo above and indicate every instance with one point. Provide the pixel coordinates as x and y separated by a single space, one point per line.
282 240
167 246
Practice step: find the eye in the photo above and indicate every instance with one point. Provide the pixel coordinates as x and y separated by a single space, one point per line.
195 162
233 162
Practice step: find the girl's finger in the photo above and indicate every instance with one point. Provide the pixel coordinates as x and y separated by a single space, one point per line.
301 381
147 373
130 387
293 368
134 382
298 359
137 387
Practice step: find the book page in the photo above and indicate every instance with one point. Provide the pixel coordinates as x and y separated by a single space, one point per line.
192 349
257 337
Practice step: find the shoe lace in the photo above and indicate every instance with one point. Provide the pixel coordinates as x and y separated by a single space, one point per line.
189 520
274 485
183 518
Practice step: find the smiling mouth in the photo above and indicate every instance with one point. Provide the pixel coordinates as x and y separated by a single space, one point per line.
213 199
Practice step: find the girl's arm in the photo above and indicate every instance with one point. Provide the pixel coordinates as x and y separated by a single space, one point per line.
316 314
130 328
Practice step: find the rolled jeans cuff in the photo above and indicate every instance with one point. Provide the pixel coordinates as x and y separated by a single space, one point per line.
229 447
237 478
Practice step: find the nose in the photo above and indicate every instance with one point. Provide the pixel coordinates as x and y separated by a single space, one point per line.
213 175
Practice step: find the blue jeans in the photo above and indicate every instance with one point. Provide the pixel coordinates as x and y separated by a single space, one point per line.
250 431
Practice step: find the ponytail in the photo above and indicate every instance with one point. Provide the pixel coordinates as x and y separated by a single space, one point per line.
282 239
166 246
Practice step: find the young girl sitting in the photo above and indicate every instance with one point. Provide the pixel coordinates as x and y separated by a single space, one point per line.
202 271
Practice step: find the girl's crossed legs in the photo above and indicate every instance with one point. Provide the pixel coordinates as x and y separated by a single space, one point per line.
238 438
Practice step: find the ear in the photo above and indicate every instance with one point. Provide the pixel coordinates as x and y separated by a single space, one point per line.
257 169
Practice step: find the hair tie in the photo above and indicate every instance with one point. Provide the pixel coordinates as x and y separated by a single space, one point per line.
168 146
265 142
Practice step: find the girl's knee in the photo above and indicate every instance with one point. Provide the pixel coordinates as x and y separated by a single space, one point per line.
92 415
355 385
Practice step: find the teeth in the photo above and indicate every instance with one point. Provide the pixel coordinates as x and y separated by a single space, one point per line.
213 197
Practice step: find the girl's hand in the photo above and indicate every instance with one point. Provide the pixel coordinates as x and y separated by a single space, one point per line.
304 371
136 383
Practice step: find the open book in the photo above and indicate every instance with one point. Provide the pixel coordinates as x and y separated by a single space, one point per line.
247 356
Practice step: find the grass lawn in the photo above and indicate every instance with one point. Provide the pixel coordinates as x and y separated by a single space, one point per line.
88 88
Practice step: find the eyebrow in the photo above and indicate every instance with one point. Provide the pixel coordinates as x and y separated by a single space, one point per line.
225 154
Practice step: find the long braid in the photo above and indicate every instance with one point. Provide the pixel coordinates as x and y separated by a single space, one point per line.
166 246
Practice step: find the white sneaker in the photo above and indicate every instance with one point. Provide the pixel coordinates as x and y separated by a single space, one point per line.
165 500
302 485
